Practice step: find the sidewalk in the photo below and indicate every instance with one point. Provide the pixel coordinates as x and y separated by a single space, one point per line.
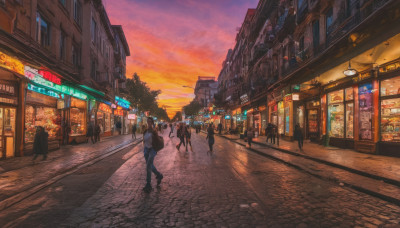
370 165
21 173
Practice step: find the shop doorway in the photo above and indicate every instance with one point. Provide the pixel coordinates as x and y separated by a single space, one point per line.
7 131
312 132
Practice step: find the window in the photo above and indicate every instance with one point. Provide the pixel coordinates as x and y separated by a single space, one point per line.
62 45
63 2
301 43
93 30
365 100
329 20
42 31
300 3
76 55
78 12
315 34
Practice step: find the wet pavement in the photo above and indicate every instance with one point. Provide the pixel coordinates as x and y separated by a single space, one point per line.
382 167
234 187
21 174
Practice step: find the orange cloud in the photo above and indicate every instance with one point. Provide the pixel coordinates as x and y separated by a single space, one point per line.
174 41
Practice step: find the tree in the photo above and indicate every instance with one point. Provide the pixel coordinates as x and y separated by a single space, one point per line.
141 96
161 113
192 108
177 117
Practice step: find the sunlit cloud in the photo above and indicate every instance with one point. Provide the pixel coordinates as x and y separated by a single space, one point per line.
174 41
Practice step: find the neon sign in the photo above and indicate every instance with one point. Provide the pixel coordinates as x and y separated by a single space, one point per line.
11 63
37 78
50 77
122 102
105 108
119 111
44 91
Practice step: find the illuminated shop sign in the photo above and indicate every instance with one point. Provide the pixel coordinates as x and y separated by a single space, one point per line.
119 111
7 89
227 117
105 108
34 75
50 77
131 116
113 106
122 102
44 91
11 63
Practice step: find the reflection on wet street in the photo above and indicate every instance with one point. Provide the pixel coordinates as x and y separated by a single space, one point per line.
232 187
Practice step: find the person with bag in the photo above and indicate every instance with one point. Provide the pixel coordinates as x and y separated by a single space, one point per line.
152 144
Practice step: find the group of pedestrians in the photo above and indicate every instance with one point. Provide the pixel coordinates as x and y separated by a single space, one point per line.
184 134
93 132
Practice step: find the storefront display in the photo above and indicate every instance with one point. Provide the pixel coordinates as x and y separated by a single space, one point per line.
41 110
104 117
281 116
390 122
312 122
365 111
349 120
78 117
336 114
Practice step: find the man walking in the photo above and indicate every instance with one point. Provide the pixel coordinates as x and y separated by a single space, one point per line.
171 126
90 133
219 128
97 131
298 135
40 143
134 131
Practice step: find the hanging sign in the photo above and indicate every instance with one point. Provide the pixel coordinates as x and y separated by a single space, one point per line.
131 116
122 102
119 111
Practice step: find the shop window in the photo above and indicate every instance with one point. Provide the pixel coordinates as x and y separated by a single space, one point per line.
336 114
349 94
48 118
390 122
390 87
366 112
77 120
281 116
29 123
350 120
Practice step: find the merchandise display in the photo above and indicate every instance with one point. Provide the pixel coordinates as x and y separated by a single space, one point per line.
390 86
77 121
287 120
336 120
281 116
313 121
49 118
107 122
365 112
390 120
349 120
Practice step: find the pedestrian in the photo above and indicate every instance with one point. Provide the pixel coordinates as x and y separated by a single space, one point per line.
97 131
181 136
67 131
40 143
268 131
119 126
273 133
171 130
188 136
90 133
134 131
210 137
250 135
149 138
159 128
298 135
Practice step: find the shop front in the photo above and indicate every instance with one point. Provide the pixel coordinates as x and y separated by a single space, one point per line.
8 114
11 106
390 116
118 119
77 120
103 118
41 110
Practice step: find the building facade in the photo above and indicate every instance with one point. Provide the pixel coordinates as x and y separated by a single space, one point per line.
45 72
329 66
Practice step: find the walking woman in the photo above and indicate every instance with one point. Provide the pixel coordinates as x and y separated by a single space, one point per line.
188 135
181 136
250 135
210 137
149 137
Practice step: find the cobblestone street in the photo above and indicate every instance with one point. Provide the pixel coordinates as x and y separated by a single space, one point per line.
232 188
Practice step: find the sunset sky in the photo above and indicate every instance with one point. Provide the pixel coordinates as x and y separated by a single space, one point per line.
174 41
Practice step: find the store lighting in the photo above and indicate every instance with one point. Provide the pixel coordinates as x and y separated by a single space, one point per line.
350 71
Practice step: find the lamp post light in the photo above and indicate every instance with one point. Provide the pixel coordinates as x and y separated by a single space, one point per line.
350 71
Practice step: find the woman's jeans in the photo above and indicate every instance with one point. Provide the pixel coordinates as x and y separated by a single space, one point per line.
149 154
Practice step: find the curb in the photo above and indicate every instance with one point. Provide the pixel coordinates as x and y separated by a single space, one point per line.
355 187
18 197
